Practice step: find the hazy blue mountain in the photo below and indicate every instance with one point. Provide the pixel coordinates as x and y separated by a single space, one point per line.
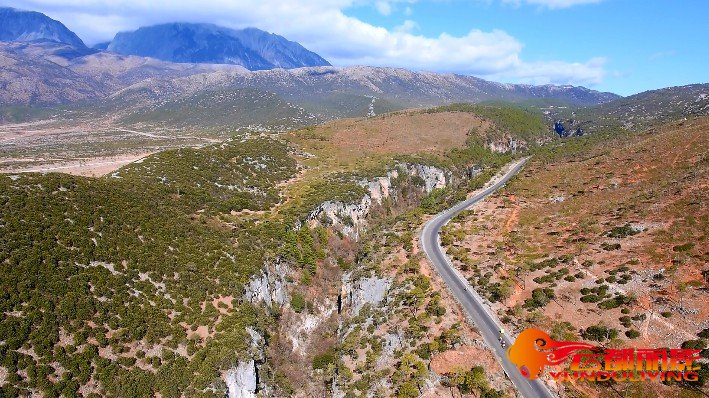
206 43
20 25
101 46
277 50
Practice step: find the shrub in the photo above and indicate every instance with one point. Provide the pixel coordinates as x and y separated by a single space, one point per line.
625 321
540 298
599 333
666 314
591 298
695 344
297 302
408 390
322 361
610 246
632 334
609 304
622 231
683 248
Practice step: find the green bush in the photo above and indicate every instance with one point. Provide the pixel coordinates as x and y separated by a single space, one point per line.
610 246
540 298
591 298
683 248
322 361
297 302
622 231
695 344
599 333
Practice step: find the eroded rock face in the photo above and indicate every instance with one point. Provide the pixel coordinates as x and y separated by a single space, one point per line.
241 380
371 290
269 287
381 187
347 218
300 333
392 342
506 145
433 177
350 218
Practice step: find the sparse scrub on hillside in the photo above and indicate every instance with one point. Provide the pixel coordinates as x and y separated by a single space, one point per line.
622 231
507 119
135 257
599 333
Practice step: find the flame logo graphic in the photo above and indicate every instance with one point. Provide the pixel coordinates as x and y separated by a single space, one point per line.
534 349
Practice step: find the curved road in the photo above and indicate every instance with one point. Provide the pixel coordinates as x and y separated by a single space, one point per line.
485 321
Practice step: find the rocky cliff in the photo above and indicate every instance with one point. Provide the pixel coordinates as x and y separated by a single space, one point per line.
333 296
351 218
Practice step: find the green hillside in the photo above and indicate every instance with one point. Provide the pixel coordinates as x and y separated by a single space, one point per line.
108 278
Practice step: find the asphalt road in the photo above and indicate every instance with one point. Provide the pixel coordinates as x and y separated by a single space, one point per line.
485 321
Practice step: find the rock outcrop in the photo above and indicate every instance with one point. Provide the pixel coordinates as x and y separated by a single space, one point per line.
269 286
432 176
300 332
241 380
356 294
350 218
507 144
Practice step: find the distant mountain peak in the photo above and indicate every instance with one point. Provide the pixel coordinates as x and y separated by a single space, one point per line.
30 26
185 42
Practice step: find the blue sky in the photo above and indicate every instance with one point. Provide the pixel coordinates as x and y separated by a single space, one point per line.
647 44
623 46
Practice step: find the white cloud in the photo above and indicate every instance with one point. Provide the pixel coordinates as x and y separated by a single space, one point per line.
407 27
553 4
322 26
384 7
587 73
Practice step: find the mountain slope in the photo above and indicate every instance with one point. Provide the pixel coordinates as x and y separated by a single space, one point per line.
45 73
658 106
638 111
20 25
205 43
62 74
277 50
331 92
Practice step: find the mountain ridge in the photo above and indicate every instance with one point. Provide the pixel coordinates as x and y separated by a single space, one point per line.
29 26
328 91
184 42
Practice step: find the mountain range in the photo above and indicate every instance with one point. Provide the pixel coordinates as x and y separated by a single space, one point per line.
158 73
251 48
20 25
132 87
